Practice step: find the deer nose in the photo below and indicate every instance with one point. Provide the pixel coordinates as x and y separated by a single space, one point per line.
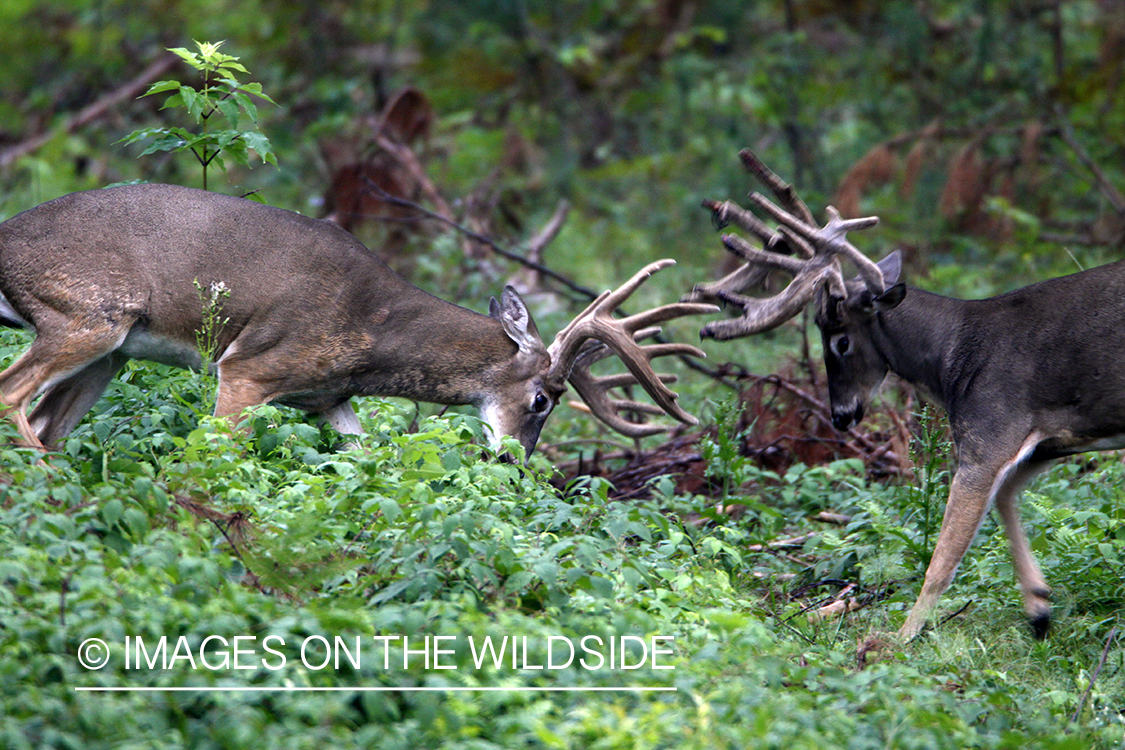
845 417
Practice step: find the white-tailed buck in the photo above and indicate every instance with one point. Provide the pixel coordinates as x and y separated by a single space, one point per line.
312 318
1026 377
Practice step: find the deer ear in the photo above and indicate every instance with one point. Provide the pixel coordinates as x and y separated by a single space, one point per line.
891 298
513 315
891 266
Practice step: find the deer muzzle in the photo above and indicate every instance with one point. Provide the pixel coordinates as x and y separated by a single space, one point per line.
845 416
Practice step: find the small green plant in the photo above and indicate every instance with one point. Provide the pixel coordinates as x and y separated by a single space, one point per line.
207 337
725 463
931 452
220 93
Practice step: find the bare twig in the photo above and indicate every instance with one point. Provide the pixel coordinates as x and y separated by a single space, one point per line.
1097 670
950 616
476 236
1111 193
406 157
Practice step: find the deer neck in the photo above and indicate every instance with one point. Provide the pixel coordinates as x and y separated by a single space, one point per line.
917 337
429 350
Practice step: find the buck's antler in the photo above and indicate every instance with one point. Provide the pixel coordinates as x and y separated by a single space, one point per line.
572 353
817 263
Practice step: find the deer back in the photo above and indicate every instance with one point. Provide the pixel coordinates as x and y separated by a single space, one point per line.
312 317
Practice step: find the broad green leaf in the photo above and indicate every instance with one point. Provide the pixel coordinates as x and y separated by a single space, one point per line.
230 111
256 89
187 56
245 102
161 86
193 102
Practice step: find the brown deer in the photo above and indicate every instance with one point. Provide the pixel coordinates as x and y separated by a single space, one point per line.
1026 377
312 318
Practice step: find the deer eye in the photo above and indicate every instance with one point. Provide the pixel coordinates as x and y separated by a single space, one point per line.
540 404
842 344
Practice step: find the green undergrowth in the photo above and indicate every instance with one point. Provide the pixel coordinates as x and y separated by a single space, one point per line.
276 561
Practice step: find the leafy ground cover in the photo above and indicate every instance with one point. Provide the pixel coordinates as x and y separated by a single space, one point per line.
981 133
275 561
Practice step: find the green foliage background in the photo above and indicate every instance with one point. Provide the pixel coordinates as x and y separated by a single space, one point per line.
154 520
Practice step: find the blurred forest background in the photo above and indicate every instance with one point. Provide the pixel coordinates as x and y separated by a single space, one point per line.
987 135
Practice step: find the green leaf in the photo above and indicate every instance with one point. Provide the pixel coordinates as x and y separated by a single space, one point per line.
161 86
187 56
450 460
193 102
256 90
248 105
164 143
112 511
230 111
390 592
175 100
390 509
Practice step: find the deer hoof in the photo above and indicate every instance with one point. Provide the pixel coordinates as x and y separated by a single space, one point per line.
1040 624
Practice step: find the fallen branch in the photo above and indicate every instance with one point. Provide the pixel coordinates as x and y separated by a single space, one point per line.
838 519
95 111
836 609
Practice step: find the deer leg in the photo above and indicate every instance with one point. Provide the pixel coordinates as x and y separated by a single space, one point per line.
50 359
63 405
964 512
343 419
974 487
1036 592
238 389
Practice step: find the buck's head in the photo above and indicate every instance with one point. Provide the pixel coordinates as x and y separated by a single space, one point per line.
531 383
848 324
524 397
847 313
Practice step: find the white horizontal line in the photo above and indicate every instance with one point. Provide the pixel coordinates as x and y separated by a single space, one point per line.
221 689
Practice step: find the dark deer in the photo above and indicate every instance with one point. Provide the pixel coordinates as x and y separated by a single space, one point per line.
1026 377
313 318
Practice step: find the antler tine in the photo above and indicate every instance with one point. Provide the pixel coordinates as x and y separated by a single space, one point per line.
831 238
750 274
619 335
594 390
819 248
729 212
744 277
779 187
870 272
763 314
